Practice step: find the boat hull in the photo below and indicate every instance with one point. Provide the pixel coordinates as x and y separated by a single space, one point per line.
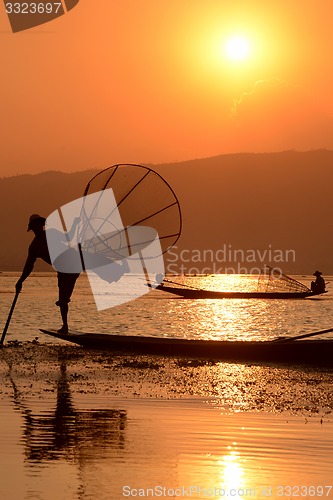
309 352
189 293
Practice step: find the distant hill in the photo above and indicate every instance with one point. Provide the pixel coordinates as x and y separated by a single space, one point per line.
239 211
24 195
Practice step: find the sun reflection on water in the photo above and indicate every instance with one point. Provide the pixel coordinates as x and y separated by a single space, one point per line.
232 472
241 319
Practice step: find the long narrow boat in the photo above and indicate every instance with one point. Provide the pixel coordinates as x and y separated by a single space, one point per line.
296 352
272 284
192 293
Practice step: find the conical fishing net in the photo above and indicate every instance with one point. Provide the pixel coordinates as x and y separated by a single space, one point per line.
117 232
142 198
273 280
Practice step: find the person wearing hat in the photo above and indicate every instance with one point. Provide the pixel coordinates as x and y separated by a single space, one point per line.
38 249
318 286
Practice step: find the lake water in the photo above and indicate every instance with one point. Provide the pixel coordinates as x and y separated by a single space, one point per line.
61 441
115 449
160 314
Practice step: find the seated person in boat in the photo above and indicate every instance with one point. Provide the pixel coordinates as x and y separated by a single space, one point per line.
318 286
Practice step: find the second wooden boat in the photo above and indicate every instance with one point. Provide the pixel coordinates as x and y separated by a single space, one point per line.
191 293
272 284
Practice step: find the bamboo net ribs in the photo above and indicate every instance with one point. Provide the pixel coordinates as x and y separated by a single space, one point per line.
273 280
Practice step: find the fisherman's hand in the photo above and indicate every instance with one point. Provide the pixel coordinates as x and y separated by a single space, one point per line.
18 286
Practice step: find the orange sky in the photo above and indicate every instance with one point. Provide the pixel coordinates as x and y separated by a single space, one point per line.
147 81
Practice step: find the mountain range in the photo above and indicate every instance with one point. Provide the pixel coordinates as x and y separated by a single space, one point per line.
239 211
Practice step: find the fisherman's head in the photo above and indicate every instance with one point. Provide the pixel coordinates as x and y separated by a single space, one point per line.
36 223
317 273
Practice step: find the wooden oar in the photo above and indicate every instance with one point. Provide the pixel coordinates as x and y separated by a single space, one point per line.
303 336
9 318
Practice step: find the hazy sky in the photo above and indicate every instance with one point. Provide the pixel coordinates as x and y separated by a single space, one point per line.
151 81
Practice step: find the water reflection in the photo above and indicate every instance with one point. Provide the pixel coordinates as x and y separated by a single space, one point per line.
232 473
65 432
74 454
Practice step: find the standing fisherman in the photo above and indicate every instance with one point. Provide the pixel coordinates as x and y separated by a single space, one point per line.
38 249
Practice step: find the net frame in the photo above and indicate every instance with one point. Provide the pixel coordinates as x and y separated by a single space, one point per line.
146 171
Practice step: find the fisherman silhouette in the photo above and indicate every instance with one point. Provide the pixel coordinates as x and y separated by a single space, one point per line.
39 249
318 286
69 263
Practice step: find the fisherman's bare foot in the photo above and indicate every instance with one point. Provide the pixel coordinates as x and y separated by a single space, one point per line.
63 329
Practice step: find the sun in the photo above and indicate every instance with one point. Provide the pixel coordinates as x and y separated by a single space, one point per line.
237 48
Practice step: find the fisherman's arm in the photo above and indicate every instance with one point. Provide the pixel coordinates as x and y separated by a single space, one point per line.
28 267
